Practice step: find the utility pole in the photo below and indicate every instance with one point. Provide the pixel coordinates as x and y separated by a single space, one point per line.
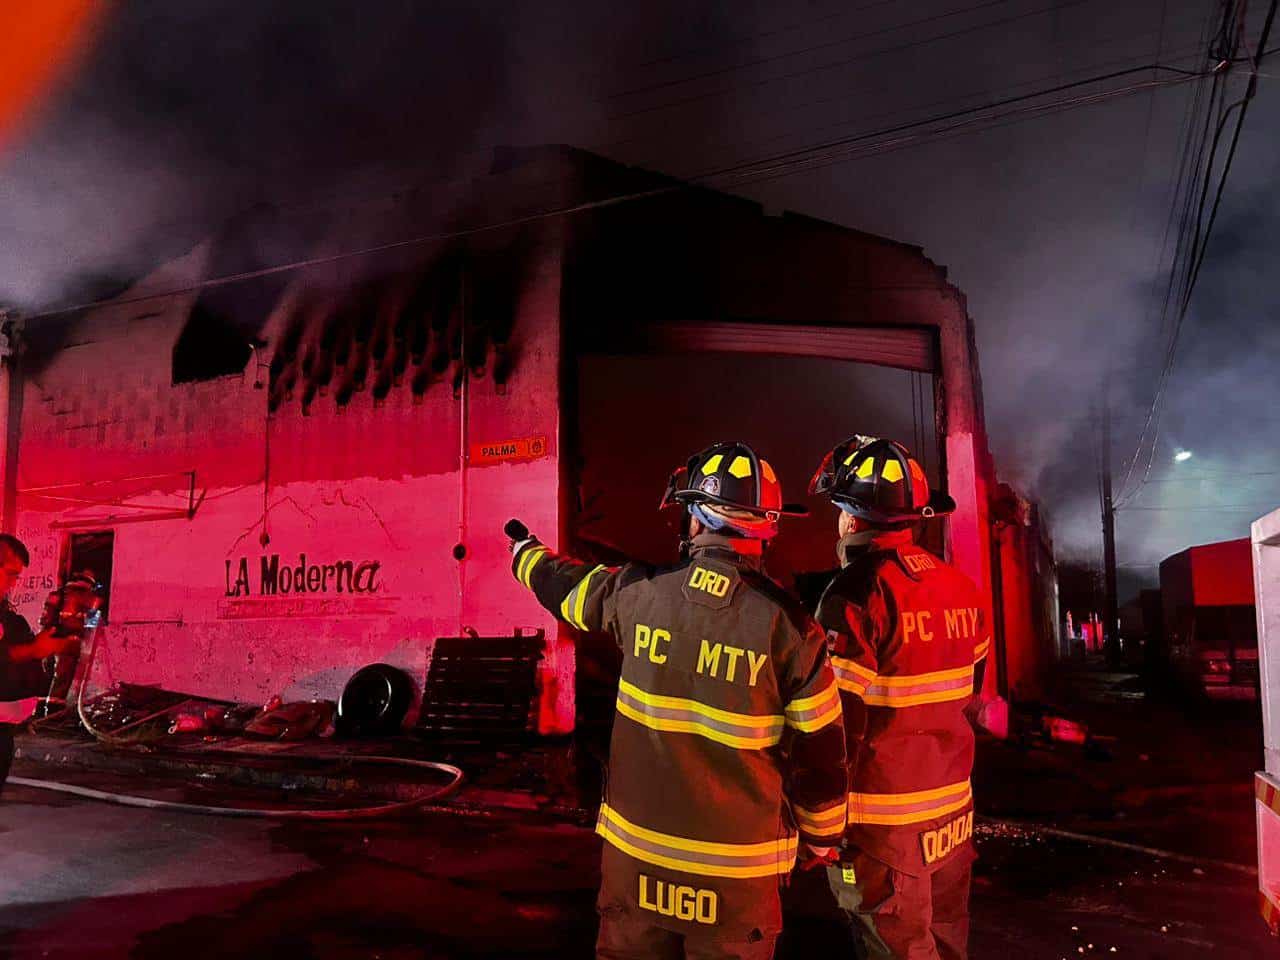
1111 611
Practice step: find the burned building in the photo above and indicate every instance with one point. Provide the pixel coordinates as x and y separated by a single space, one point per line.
287 474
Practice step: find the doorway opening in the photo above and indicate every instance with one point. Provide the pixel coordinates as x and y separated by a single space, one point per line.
92 552
640 417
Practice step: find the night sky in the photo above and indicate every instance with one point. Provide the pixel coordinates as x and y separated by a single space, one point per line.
184 113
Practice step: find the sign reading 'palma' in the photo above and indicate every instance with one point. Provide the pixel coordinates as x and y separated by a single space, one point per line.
498 451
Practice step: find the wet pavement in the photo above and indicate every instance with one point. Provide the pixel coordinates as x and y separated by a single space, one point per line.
85 879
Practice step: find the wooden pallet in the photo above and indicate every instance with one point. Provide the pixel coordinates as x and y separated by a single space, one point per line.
481 689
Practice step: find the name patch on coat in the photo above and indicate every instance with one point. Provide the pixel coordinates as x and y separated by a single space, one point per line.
679 901
710 586
946 839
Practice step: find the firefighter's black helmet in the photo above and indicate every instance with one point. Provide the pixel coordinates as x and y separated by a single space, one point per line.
878 481
732 477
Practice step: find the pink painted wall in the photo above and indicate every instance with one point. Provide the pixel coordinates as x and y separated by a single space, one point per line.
367 483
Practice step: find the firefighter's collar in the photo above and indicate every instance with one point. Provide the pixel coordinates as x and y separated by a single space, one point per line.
741 551
892 539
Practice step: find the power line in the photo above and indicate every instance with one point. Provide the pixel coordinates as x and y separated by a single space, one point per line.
1189 176
812 158
1202 480
1230 508
898 48
1146 127
773 58
1200 238
743 38
1181 53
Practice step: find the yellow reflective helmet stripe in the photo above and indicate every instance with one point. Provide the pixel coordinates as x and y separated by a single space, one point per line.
892 471
740 468
712 464
865 469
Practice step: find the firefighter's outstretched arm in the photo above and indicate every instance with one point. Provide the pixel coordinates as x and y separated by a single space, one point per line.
575 592
817 781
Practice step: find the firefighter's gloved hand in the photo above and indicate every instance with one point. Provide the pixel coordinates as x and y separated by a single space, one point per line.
811 856
518 536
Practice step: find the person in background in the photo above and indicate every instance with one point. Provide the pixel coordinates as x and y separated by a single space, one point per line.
23 680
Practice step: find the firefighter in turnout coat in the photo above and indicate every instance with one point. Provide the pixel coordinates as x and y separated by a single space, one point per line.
908 642
727 758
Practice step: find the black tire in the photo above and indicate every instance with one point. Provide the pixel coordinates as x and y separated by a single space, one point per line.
374 702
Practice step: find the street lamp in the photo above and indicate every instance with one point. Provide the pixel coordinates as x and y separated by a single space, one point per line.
1182 456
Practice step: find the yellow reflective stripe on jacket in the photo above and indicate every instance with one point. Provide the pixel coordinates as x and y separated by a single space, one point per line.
901 808
980 650
913 690
822 823
698 857
573 605
528 560
533 562
815 712
680 715
851 675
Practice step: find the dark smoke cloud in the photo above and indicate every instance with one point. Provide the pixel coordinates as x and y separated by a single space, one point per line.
189 112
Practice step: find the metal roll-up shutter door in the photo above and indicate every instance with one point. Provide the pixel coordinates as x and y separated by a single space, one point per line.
908 348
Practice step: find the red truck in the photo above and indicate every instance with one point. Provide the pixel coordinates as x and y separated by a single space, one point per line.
1211 637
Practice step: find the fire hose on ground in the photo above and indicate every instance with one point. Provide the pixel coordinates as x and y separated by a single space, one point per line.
456 777
454 774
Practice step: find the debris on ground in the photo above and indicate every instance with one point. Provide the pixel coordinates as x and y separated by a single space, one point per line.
293 721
